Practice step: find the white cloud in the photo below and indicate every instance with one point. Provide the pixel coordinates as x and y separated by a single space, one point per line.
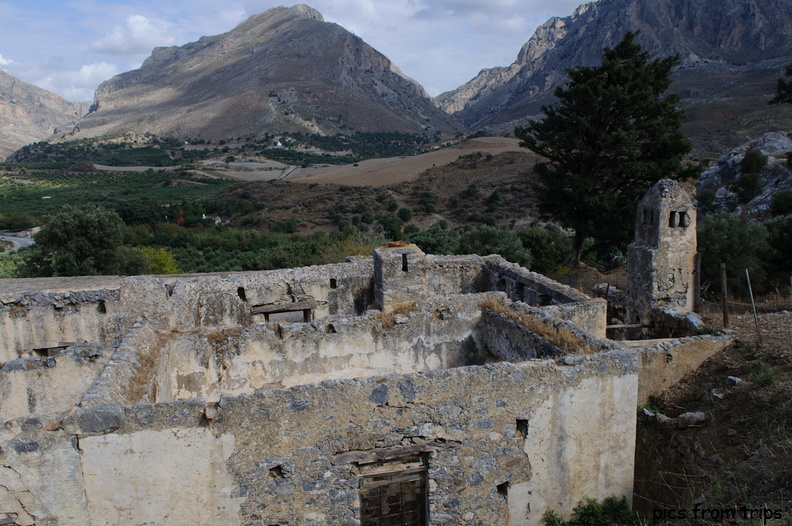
5 61
440 43
79 85
138 35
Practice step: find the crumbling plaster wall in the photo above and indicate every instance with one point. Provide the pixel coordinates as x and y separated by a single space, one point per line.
436 334
42 386
289 455
40 320
663 363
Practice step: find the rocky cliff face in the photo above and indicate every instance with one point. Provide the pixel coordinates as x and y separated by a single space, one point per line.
29 114
732 52
282 70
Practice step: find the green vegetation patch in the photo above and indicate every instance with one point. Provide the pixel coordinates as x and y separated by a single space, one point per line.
134 195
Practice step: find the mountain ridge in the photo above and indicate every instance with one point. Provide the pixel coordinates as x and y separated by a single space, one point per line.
730 42
284 70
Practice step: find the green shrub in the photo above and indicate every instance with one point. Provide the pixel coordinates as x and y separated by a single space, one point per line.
77 241
287 226
491 240
436 240
779 234
747 186
493 201
549 246
405 214
706 198
590 512
753 162
740 244
782 203
470 192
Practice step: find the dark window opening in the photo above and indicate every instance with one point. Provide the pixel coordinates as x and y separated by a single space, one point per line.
394 492
684 219
276 472
669 358
241 293
405 267
333 283
522 428
503 489
330 329
672 220
101 307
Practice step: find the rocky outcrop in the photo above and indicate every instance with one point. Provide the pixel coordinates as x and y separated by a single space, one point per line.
29 114
284 70
732 52
775 176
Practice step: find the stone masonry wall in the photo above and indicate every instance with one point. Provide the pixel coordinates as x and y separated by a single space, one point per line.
293 455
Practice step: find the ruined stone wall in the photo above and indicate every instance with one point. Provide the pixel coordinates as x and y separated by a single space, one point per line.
663 363
490 435
436 334
46 385
558 301
277 422
41 320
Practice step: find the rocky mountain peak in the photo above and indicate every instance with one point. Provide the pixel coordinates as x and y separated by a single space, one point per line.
725 46
284 70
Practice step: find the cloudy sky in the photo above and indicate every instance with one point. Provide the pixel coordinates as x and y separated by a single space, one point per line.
70 46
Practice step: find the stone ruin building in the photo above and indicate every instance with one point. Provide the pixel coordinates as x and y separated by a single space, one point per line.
402 388
661 264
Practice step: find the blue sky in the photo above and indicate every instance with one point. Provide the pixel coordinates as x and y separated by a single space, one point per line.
70 46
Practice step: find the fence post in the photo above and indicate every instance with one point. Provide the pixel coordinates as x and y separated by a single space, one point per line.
753 306
697 283
725 295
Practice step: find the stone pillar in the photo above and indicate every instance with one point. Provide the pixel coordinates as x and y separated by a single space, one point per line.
661 261
399 275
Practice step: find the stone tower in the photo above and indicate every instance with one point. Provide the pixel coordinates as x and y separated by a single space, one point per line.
399 275
661 261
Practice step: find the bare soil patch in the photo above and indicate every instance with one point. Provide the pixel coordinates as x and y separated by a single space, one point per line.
384 172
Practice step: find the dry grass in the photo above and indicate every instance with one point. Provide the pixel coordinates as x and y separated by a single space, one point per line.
140 383
388 320
561 337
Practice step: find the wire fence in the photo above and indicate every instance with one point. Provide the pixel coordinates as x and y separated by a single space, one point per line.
773 310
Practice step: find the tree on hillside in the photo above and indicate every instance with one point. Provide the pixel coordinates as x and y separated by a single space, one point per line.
612 134
784 88
77 241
